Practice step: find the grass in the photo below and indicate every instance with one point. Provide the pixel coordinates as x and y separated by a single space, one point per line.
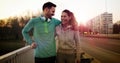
7 46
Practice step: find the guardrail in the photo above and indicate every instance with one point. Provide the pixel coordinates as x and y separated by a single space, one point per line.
110 36
22 55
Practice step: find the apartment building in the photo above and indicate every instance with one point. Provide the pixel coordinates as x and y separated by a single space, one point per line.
101 24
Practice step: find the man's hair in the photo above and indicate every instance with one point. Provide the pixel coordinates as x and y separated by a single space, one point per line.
48 5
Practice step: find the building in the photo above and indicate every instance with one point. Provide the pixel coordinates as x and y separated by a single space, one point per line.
101 24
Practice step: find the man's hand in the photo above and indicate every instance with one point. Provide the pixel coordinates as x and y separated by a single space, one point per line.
33 45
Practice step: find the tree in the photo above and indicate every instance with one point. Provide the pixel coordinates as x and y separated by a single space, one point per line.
116 28
2 23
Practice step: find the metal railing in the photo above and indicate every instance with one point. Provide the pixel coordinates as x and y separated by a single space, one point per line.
22 55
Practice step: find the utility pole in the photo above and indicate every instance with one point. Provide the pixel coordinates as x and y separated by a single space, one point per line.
106 17
105 5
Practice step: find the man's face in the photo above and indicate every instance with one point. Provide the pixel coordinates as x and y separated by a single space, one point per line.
50 12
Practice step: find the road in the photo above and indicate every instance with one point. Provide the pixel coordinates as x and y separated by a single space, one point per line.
104 50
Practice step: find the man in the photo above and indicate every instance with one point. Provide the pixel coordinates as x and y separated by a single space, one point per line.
43 34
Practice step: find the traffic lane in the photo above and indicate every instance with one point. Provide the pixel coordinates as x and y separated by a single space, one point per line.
103 55
109 44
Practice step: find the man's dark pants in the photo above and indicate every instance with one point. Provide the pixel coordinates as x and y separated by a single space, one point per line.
45 60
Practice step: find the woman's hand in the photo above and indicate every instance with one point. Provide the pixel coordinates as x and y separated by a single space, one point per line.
78 59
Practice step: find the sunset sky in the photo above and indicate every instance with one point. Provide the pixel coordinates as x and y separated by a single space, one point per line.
84 10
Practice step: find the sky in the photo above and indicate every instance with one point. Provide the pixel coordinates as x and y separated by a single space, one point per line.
83 10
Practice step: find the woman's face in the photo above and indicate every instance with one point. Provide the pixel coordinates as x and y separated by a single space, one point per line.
65 18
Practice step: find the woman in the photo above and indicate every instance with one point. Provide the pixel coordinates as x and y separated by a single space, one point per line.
68 39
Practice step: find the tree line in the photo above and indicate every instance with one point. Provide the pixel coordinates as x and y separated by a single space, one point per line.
10 28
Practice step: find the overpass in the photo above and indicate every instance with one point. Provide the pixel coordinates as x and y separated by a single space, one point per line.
25 54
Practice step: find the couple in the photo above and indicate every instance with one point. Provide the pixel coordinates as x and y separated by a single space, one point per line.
46 28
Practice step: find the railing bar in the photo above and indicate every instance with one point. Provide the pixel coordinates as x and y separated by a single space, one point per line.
18 56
